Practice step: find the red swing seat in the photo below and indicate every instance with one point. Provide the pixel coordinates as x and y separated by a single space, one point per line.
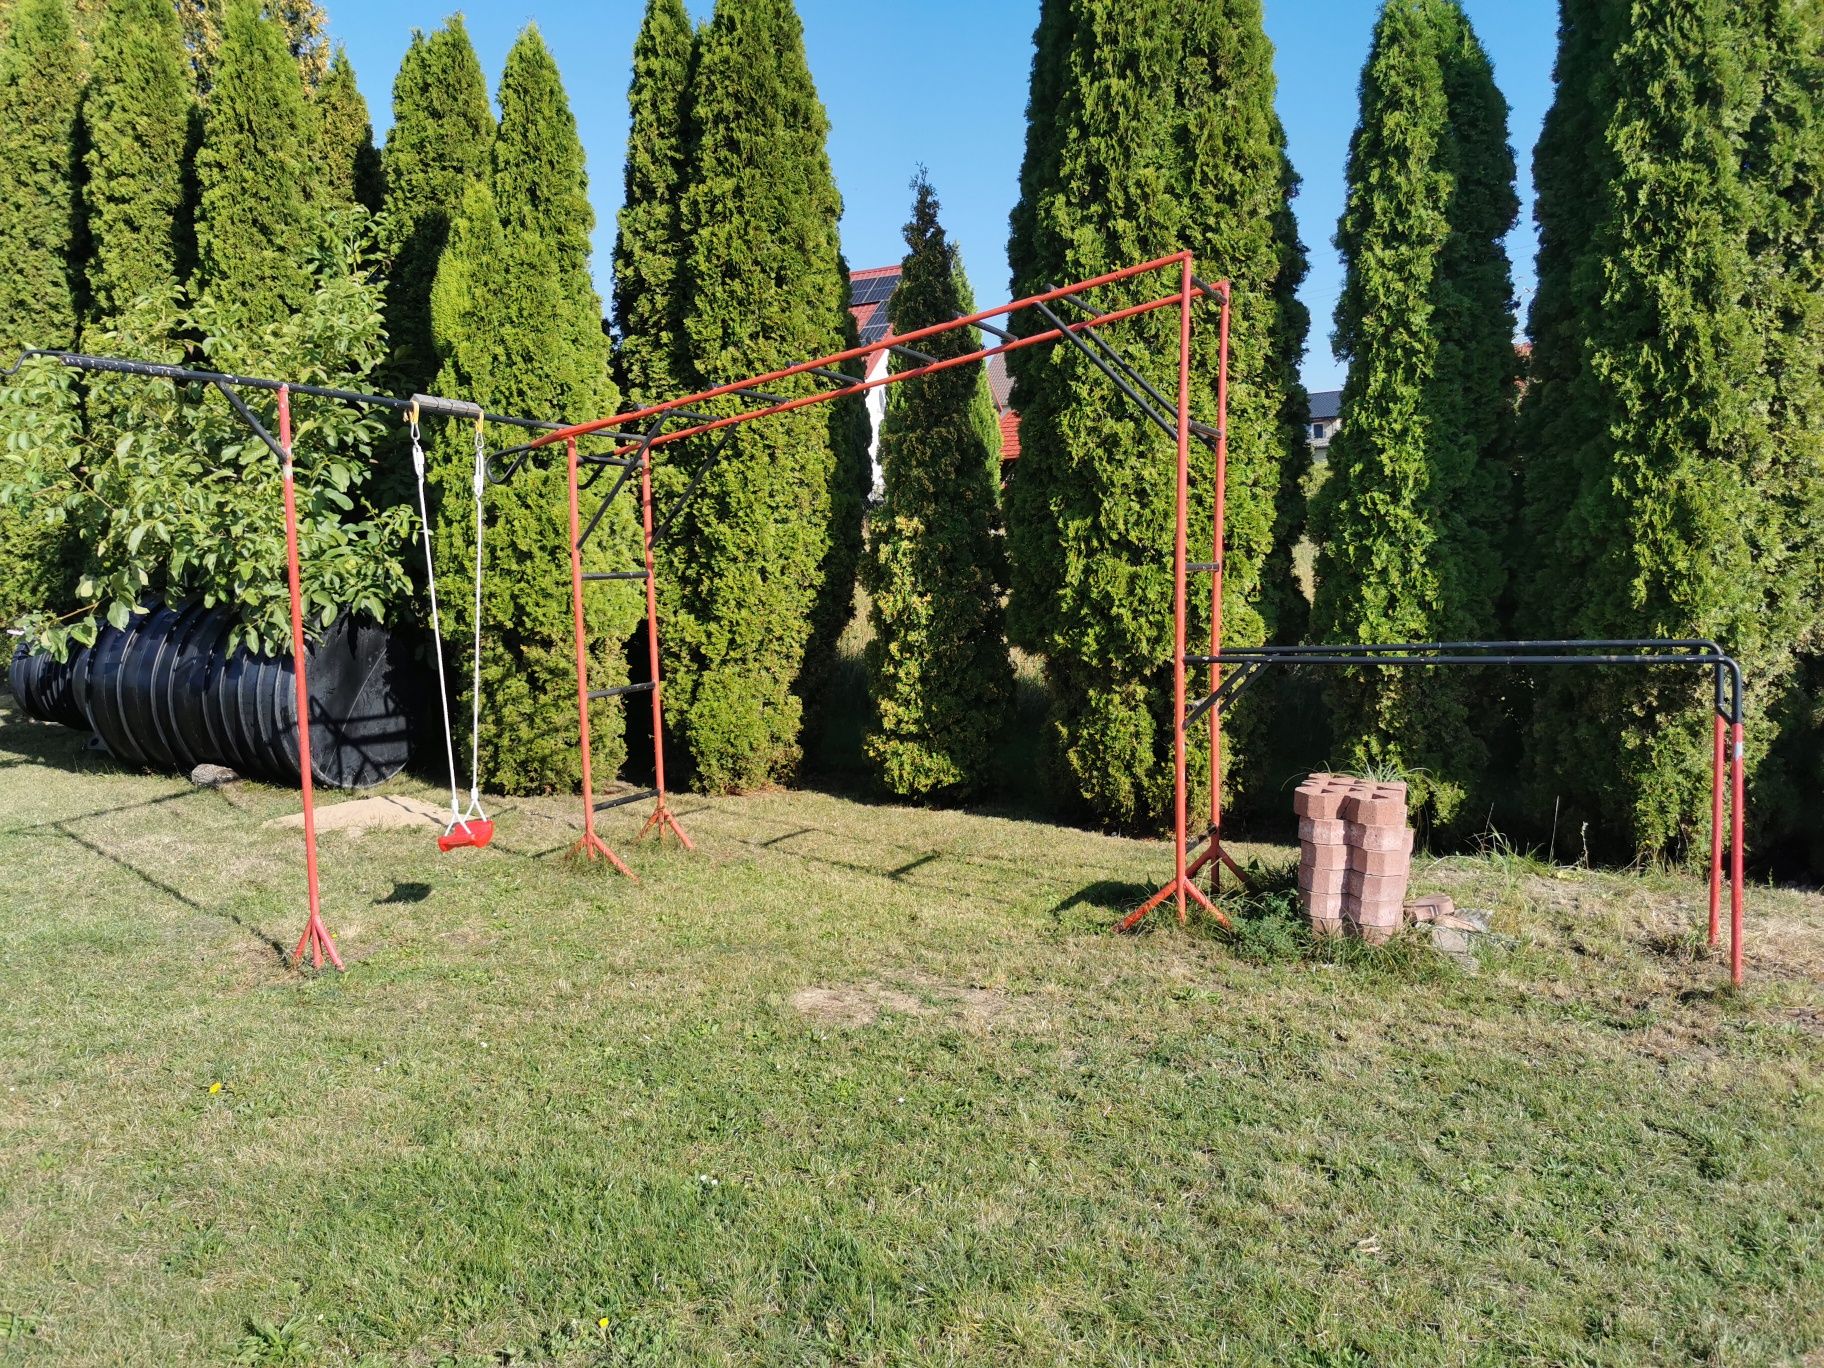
474 831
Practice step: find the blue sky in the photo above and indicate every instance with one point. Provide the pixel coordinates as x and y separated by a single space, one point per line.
962 65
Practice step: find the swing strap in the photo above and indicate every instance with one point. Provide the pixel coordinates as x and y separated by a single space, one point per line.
475 814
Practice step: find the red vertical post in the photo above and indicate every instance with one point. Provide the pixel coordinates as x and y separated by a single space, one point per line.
1215 853
316 938
662 817
589 845
1180 835
1736 755
1181 887
1716 827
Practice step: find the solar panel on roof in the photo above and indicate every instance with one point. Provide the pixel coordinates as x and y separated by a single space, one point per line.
875 289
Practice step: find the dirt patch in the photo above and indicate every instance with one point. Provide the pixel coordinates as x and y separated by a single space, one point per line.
861 1004
367 814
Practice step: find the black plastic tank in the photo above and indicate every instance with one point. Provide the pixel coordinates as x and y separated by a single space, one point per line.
46 688
165 693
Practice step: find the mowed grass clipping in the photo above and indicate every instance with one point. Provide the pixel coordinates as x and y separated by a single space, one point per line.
866 1084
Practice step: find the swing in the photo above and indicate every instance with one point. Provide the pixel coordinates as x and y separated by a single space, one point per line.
471 826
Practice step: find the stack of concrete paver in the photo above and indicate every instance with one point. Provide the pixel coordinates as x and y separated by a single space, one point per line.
1355 854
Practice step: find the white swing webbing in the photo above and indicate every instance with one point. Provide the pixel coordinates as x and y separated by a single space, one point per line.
458 817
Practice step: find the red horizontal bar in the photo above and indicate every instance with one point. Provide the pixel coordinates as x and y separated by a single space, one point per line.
836 358
893 378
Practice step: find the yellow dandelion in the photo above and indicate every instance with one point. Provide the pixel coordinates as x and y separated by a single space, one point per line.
602 1324
215 1087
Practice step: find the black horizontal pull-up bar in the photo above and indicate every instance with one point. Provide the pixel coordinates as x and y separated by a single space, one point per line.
1612 652
185 375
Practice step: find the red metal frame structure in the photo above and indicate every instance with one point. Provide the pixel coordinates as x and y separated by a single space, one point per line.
1171 416
637 454
1174 418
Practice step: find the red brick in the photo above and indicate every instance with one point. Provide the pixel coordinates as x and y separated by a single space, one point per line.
1381 862
1376 888
1370 809
1327 906
1319 801
1314 856
1319 831
1321 880
1377 837
1430 907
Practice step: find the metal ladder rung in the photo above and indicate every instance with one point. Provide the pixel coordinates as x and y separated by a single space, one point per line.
1195 567
620 689
614 574
626 798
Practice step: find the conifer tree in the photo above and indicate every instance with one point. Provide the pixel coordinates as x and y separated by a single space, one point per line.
85 17
1557 405
137 114
255 232
304 24
760 574
937 664
1412 521
1678 517
443 129
649 244
40 299
1783 161
1150 129
345 168
518 325
40 89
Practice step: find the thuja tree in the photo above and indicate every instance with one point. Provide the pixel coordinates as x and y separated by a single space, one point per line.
1783 161
40 90
137 115
1412 520
344 167
1557 403
518 325
303 24
649 243
937 663
439 144
255 230
1678 523
1150 128
759 572
39 289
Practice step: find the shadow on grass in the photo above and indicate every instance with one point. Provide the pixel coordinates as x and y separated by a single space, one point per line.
174 894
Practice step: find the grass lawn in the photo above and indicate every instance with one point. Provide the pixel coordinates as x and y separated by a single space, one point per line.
865 1084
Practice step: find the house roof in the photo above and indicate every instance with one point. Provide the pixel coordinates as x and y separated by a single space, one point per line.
1326 404
1010 435
869 291
1000 384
